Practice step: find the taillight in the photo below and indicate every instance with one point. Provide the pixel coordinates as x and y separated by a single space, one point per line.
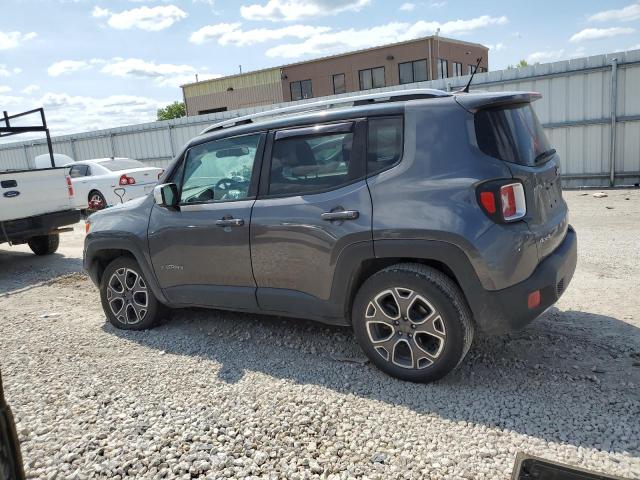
124 180
69 186
502 200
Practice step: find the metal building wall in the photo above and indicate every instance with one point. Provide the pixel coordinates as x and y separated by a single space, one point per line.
575 111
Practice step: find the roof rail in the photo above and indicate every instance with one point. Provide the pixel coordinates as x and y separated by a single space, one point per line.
370 98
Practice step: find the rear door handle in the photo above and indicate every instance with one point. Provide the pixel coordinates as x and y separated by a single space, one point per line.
230 222
340 215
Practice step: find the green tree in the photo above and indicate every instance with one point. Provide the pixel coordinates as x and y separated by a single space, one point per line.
522 63
173 110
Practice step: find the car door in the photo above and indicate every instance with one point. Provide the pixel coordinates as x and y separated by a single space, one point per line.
313 203
200 250
80 178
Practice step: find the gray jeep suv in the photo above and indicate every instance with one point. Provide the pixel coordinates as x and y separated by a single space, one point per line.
415 217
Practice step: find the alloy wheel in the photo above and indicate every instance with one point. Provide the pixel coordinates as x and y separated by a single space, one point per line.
127 296
405 328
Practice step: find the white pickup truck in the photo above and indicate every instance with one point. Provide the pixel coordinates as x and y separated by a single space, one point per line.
34 206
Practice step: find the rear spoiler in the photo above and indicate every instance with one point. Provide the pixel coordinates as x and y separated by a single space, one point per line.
472 102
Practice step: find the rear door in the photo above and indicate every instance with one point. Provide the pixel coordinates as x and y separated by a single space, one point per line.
313 203
513 133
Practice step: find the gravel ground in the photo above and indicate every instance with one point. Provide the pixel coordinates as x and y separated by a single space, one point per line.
213 394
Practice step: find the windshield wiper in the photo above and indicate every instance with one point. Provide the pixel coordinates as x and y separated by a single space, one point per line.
544 155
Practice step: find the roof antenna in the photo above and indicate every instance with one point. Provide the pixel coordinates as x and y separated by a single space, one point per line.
466 88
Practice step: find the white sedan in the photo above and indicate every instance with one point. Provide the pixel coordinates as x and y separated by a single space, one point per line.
103 182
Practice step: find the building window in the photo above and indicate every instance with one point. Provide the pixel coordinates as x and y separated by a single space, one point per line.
413 71
212 110
372 78
470 69
301 89
339 85
443 68
457 69
482 70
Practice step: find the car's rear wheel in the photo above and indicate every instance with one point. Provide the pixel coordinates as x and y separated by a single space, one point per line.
126 297
96 200
44 244
413 322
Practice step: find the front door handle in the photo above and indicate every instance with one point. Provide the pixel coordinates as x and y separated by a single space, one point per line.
230 222
340 215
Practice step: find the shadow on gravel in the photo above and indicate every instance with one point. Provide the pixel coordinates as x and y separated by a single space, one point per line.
565 378
20 270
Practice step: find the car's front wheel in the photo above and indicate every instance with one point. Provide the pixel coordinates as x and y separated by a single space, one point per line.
126 297
413 322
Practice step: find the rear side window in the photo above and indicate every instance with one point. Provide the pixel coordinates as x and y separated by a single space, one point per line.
512 134
305 164
384 143
78 171
121 164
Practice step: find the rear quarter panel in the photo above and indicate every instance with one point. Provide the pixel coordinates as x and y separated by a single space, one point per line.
431 195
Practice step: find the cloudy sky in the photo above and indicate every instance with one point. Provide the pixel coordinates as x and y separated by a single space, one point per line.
103 63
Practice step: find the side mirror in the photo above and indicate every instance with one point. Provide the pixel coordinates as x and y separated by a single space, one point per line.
166 195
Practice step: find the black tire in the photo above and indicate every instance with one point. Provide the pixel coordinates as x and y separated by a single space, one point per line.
96 195
128 310
423 350
44 244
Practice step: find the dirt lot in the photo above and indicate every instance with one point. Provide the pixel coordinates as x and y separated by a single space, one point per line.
212 394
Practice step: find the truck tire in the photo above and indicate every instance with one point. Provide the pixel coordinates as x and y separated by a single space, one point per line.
127 299
413 322
44 244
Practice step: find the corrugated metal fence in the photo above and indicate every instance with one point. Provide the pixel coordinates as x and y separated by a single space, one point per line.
590 110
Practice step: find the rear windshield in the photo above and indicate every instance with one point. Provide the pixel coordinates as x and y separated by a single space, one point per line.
123 164
512 134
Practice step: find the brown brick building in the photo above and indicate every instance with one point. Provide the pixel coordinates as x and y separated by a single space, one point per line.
412 61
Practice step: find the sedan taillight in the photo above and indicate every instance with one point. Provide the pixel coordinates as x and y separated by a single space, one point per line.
502 200
125 180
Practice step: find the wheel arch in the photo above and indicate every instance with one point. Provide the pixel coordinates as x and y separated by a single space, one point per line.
442 256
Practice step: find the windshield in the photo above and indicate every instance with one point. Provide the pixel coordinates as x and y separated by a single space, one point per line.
512 134
121 164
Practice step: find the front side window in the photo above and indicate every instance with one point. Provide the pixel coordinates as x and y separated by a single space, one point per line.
301 90
313 163
372 78
339 85
443 68
220 170
384 143
413 71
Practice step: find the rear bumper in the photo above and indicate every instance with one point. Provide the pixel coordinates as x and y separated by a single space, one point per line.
502 311
22 229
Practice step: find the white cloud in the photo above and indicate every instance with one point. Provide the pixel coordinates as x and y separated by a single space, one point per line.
546 56
151 19
5 88
13 39
437 4
64 67
7 71
344 40
634 47
291 10
29 89
599 33
626 14
163 74
408 7
98 12
497 47
232 33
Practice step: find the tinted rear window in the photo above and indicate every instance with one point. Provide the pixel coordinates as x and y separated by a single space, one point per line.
512 134
117 165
